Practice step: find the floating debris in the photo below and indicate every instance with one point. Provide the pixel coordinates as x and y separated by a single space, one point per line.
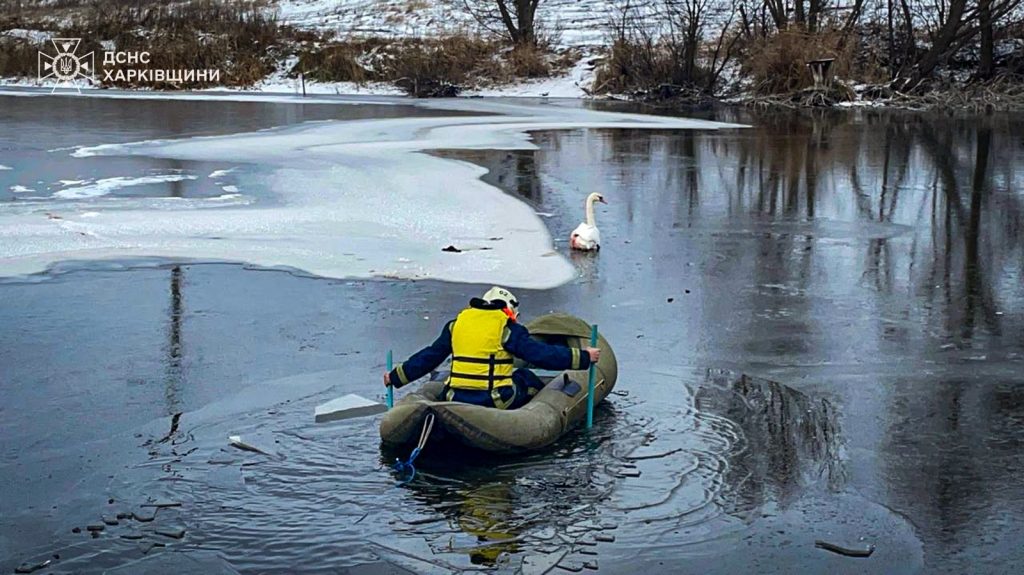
653 456
147 546
236 441
29 567
451 249
847 551
160 504
172 532
143 517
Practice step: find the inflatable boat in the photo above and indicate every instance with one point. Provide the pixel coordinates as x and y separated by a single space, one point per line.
556 409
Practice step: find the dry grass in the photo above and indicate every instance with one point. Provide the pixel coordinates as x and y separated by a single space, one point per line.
237 38
528 62
246 44
18 57
423 67
778 64
649 68
439 67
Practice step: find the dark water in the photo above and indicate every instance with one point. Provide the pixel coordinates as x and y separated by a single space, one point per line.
863 269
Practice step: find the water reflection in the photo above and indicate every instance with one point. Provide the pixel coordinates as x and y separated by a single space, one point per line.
790 439
173 373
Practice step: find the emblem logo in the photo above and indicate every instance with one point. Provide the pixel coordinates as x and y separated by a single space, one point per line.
66 66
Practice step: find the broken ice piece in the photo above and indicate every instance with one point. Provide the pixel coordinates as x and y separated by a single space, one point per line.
160 504
29 567
236 441
172 532
347 407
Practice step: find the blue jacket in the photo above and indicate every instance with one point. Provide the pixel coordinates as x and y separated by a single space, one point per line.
516 340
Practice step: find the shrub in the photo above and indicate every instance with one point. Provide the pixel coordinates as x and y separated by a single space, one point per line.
528 61
778 64
18 57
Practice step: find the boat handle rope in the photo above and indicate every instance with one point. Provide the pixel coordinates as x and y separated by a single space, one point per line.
403 467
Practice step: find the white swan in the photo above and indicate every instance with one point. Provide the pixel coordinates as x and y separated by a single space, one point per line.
586 237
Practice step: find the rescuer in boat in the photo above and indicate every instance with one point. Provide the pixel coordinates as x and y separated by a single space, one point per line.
483 341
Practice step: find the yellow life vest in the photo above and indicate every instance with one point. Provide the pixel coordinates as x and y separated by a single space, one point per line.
478 359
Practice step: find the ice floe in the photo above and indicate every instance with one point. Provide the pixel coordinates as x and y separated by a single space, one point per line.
352 199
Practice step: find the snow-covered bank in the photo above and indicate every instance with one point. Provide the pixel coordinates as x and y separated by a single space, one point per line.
571 23
356 199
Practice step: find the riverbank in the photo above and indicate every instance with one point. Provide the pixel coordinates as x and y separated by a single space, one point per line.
442 48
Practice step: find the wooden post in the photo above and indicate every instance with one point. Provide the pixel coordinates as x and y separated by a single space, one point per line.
821 72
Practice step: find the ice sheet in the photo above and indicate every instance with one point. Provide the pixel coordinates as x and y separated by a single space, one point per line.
3 167
30 88
354 199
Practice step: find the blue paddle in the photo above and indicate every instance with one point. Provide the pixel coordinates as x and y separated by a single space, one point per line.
391 390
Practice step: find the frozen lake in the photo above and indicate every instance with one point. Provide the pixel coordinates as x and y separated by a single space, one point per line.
871 263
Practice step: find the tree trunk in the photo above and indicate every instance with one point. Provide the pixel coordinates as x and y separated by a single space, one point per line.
525 11
927 63
510 25
986 64
893 62
777 8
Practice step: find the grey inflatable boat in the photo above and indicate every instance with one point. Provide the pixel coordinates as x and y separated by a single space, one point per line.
556 409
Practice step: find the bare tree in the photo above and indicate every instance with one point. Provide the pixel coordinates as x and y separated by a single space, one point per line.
514 19
958 22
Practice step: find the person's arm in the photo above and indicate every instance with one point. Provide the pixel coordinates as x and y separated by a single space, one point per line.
518 342
424 361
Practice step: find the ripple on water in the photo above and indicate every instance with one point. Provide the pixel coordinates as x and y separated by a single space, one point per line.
324 497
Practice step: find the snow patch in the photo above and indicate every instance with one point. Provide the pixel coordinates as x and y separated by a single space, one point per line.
220 173
575 84
230 189
35 36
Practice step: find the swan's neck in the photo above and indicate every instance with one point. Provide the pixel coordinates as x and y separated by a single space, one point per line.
590 214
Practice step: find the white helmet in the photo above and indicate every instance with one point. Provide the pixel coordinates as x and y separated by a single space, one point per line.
499 293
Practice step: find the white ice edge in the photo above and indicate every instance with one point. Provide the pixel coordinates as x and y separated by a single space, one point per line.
271 95
107 185
356 199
